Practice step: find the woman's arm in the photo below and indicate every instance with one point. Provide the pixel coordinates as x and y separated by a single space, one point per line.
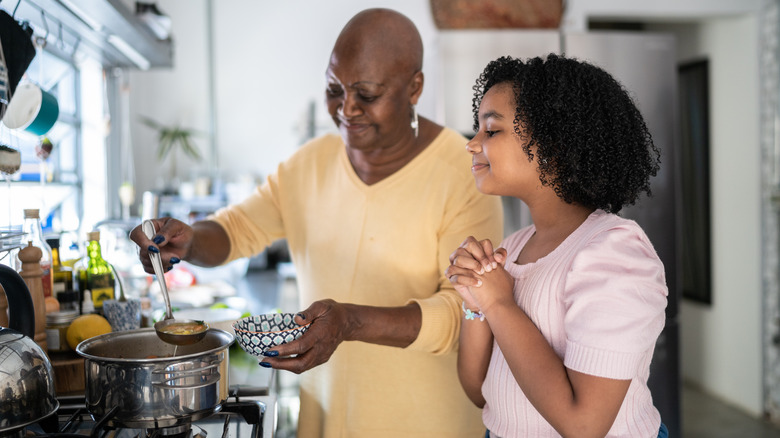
205 243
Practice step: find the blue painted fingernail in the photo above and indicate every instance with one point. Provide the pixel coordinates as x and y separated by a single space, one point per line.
271 353
175 260
153 249
158 239
302 315
265 364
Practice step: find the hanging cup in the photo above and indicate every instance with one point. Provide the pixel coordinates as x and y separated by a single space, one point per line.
31 109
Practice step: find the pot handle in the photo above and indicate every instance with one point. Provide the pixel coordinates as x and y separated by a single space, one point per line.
164 379
21 316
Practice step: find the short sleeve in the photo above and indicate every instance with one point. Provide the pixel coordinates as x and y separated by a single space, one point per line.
615 300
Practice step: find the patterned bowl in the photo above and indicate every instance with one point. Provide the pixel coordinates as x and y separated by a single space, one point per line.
256 334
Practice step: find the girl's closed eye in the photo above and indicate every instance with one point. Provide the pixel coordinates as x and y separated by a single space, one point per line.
490 133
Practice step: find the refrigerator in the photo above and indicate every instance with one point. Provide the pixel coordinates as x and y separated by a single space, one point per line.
646 65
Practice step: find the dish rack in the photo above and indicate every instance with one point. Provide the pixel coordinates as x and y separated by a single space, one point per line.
10 238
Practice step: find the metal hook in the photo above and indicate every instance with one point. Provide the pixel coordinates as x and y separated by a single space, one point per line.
45 23
60 41
75 47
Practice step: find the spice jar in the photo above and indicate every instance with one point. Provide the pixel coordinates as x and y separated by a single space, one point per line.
57 324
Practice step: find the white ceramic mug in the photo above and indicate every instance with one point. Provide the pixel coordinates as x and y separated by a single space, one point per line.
31 109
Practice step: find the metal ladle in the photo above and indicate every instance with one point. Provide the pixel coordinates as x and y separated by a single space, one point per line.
167 321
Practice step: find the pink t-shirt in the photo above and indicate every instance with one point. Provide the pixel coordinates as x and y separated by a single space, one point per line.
599 300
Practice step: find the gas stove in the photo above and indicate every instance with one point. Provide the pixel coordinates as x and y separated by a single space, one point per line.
238 417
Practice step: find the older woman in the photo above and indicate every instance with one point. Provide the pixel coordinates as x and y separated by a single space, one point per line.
370 217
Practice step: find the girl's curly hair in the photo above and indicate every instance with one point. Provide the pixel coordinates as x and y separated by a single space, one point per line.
593 146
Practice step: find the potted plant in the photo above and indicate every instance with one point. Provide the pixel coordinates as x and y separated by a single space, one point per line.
170 140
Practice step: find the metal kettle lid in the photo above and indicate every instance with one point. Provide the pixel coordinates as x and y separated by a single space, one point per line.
7 336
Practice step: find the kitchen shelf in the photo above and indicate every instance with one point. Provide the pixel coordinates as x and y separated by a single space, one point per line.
95 27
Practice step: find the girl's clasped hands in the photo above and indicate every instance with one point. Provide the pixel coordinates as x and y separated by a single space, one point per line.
477 272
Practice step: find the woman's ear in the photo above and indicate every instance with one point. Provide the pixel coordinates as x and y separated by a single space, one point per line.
416 86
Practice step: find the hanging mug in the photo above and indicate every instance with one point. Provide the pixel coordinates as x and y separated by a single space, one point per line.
31 109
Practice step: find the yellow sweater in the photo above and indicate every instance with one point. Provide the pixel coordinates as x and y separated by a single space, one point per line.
382 245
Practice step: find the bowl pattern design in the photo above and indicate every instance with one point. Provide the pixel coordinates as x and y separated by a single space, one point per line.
258 333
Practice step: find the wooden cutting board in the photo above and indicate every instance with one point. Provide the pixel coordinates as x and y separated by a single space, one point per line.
68 373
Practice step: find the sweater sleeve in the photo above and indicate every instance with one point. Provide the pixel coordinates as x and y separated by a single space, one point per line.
615 298
254 223
480 216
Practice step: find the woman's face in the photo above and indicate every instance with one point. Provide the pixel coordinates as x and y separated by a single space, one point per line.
369 100
499 164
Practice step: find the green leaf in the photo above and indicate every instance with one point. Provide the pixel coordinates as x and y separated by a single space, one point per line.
170 138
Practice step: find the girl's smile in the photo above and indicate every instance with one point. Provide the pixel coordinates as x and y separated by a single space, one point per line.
476 166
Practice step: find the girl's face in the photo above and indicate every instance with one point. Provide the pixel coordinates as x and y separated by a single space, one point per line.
499 164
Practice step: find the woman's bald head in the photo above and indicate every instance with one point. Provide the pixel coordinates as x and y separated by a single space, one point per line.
380 36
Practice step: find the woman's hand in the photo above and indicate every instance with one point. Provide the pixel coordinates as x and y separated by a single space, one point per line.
173 241
327 330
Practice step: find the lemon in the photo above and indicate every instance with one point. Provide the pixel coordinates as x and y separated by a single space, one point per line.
85 327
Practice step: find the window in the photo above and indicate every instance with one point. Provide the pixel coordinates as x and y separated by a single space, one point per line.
69 186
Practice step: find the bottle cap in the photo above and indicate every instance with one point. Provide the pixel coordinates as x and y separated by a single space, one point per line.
31 213
93 235
54 242
86 305
68 296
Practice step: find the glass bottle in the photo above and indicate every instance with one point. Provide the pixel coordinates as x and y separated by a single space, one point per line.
62 275
100 279
34 234
63 288
80 279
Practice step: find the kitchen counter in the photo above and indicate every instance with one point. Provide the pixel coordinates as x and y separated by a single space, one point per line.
246 377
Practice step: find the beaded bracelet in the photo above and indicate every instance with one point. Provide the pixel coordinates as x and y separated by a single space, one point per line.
470 314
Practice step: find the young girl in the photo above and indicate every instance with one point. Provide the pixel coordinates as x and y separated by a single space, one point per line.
561 321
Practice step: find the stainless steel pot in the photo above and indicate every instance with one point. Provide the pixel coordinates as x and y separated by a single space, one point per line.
26 378
142 382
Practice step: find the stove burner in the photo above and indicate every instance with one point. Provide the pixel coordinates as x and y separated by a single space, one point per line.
73 420
182 431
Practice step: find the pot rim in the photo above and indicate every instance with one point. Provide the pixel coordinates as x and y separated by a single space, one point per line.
85 344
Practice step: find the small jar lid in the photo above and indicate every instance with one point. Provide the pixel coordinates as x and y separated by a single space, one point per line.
63 316
68 296
31 213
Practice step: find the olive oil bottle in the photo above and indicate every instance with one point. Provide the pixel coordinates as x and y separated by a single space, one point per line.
99 277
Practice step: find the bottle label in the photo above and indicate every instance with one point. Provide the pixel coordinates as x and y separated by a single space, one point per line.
100 294
46 280
59 286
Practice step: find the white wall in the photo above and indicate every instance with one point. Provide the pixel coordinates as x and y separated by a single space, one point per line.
270 61
721 344
172 96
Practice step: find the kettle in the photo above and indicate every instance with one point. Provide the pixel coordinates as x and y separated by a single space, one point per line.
26 378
